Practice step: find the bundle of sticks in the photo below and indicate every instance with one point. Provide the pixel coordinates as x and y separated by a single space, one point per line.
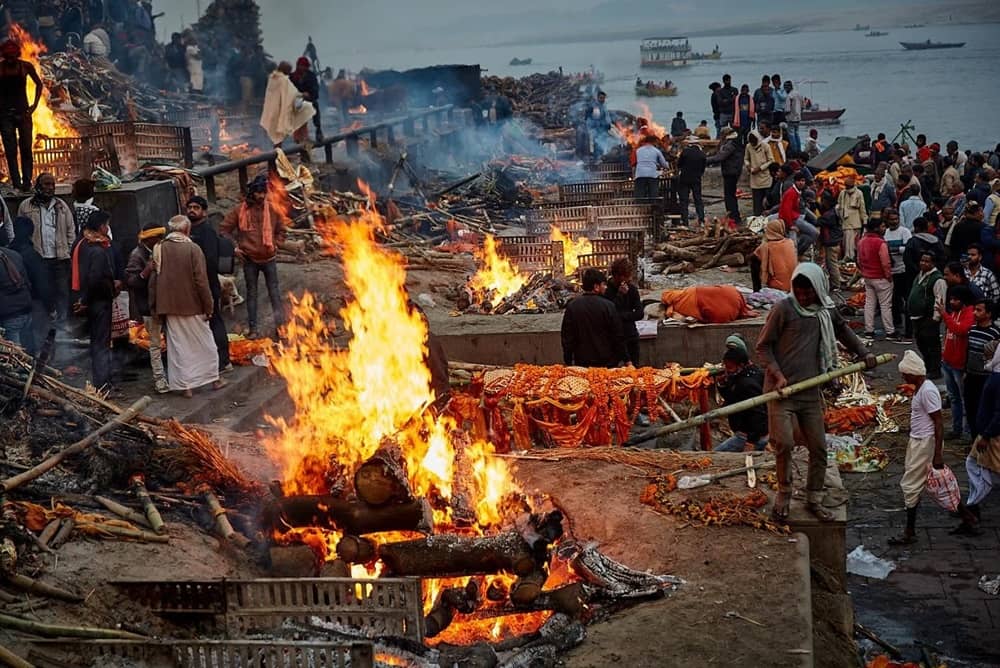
687 253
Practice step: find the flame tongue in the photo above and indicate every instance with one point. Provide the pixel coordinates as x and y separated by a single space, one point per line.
497 278
572 250
44 119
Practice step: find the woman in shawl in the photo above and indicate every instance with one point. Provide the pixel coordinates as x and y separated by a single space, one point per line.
799 342
777 258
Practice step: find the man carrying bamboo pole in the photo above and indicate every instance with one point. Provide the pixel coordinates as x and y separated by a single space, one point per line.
799 341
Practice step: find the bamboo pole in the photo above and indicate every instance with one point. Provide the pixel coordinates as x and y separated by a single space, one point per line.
152 514
60 631
8 658
123 512
222 524
24 583
79 446
757 401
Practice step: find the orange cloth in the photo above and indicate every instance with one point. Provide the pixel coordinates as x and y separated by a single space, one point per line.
708 303
778 257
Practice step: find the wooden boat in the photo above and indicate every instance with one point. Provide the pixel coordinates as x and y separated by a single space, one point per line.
858 26
817 116
660 91
714 54
922 46
876 33
515 62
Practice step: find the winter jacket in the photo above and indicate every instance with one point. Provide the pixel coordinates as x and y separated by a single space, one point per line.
15 286
629 307
65 226
691 163
790 208
592 334
919 244
831 234
967 232
138 284
251 241
756 160
179 286
35 267
851 209
729 158
883 195
956 338
208 240
96 268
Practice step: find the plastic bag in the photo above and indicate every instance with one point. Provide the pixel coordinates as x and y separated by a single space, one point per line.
862 562
943 488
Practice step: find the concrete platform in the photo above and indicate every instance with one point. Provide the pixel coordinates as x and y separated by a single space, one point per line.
130 206
535 339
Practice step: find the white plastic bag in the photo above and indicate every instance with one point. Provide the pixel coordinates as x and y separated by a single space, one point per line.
862 562
943 488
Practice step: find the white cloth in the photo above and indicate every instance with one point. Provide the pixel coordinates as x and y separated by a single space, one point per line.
981 480
912 364
192 358
926 400
280 117
97 43
192 58
47 215
919 456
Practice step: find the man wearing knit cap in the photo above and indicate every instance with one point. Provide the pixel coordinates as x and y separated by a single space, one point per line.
926 440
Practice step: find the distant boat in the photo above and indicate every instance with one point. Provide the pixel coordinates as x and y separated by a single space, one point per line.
714 54
664 52
515 62
657 91
876 33
858 26
818 116
915 25
921 46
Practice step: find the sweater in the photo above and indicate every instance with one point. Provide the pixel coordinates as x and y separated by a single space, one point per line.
790 209
873 257
179 286
251 241
746 383
956 338
729 158
896 240
923 297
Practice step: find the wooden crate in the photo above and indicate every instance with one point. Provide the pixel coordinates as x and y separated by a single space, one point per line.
72 158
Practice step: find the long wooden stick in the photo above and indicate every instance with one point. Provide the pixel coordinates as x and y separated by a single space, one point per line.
8 658
79 446
123 512
60 631
757 401
152 514
24 583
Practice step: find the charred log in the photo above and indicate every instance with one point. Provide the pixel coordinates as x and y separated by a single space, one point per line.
452 600
356 550
350 516
527 588
445 555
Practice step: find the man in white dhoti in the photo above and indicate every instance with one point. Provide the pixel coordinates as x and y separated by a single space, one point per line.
179 293
285 109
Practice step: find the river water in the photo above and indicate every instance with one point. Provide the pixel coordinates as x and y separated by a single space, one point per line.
947 93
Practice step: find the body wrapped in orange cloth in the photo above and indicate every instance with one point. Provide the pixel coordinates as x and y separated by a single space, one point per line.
708 303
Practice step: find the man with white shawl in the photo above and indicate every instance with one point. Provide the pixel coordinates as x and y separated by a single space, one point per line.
799 342
179 293
285 110
983 462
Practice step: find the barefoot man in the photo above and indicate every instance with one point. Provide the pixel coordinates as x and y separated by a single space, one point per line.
798 342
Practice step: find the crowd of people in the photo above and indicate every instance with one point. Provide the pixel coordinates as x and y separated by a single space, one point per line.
59 270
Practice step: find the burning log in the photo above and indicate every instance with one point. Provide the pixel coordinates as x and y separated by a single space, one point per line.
293 561
568 599
351 516
447 555
356 550
497 591
527 588
453 599
337 568
383 479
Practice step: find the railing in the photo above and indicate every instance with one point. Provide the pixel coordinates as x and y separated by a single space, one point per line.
351 139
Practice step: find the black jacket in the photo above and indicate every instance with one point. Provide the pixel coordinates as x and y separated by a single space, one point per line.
592 332
35 267
920 243
138 286
307 83
692 163
831 231
729 157
967 232
15 286
207 239
96 266
740 386
629 307
727 99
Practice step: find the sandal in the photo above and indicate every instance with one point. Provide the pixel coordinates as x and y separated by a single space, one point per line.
219 384
905 539
821 513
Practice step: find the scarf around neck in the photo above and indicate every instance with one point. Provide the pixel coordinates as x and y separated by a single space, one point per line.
819 310
173 237
266 231
89 237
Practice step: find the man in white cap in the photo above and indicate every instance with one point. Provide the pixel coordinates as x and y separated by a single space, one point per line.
926 440
799 342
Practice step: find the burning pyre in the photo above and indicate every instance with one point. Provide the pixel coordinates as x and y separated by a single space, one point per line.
379 480
45 121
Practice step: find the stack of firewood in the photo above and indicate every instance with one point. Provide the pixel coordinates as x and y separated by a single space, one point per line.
689 253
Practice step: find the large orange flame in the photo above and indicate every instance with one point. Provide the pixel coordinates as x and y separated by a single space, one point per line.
44 119
633 136
498 277
572 250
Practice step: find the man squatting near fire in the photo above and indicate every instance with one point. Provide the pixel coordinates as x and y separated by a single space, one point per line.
798 342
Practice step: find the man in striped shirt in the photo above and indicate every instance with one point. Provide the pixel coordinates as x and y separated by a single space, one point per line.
976 374
982 277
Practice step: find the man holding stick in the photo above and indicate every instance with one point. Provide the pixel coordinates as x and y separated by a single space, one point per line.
798 342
